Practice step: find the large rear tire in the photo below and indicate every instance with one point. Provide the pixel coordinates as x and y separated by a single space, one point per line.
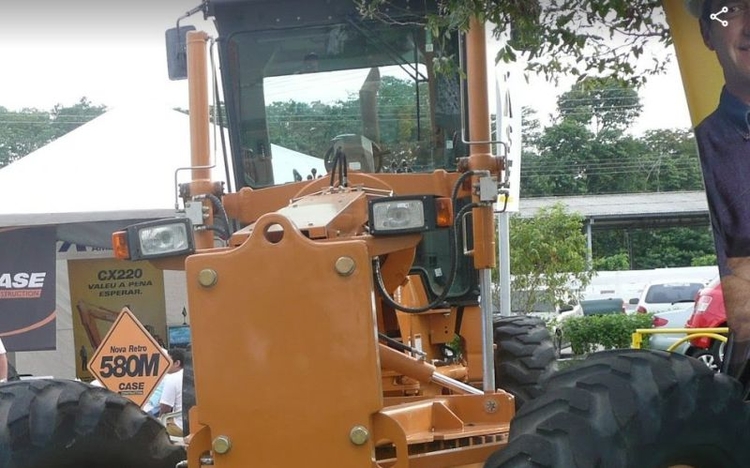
525 356
632 408
68 424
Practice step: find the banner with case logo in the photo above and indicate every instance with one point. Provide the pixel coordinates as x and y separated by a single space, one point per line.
27 289
100 289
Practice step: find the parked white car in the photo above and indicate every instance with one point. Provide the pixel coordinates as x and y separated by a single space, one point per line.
554 321
661 296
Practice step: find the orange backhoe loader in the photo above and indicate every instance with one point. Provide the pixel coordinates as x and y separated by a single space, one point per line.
342 317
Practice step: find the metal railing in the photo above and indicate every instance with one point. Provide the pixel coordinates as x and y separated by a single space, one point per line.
715 333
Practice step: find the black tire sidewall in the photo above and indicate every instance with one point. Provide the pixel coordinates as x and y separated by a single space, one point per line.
632 408
525 355
54 423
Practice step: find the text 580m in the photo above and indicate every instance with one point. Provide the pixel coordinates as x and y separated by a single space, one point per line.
133 365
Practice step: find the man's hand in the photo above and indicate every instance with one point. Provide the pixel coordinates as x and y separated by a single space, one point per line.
164 409
736 288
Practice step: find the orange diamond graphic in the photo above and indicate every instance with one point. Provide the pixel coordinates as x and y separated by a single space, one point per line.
129 361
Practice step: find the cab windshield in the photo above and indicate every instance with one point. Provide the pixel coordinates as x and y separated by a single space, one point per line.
296 96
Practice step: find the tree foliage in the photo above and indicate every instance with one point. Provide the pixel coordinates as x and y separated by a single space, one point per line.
670 161
22 132
557 37
28 129
617 262
548 256
311 127
587 150
654 248
600 103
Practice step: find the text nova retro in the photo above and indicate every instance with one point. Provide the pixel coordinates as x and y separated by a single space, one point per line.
129 361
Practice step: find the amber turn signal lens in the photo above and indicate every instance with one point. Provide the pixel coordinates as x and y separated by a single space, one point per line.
120 245
444 212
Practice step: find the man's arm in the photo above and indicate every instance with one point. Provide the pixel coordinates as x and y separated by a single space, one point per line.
736 287
168 395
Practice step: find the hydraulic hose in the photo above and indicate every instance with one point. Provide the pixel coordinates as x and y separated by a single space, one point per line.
453 253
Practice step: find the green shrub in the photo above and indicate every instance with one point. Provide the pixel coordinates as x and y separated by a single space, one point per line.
704 260
619 261
611 331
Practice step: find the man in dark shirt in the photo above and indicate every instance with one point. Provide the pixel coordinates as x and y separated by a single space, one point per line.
724 146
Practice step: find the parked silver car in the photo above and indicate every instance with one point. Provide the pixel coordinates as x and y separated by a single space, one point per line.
671 319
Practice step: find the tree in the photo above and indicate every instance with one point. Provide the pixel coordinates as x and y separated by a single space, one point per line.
310 127
616 262
67 118
672 247
557 37
670 162
602 103
548 256
24 131
655 248
586 150
561 166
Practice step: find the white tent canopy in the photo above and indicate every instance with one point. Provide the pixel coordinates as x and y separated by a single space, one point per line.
119 166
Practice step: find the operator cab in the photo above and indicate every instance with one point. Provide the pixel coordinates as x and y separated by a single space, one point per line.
305 85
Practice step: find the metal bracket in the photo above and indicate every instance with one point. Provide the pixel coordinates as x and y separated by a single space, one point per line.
488 190
464 230
194 212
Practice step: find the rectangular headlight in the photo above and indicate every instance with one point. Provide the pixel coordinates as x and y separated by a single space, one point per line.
399 215
155 239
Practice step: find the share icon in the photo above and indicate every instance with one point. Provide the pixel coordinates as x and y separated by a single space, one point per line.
715 16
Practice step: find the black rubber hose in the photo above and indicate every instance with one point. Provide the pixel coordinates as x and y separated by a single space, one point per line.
451 275
222 213
397 345
453 253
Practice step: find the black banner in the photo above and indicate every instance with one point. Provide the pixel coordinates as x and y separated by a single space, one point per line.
27 289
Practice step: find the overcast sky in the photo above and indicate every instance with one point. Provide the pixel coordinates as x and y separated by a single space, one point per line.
58 51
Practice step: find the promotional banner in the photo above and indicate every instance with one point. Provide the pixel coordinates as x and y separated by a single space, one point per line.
27 289
710 40
100 289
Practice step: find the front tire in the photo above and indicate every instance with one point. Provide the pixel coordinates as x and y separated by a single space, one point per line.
525 355
632 408
707 357
68 424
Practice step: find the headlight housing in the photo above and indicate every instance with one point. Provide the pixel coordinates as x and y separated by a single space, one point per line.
400 215
154 239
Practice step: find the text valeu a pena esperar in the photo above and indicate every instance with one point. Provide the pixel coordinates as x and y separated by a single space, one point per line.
120 282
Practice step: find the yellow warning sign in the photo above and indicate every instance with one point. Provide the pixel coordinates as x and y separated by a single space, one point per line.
129 361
